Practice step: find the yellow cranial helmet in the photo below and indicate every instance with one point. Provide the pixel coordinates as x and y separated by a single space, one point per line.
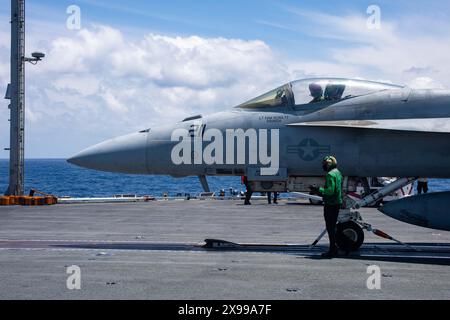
331 161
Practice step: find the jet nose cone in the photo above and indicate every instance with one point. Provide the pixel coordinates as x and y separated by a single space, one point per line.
125 154
73 160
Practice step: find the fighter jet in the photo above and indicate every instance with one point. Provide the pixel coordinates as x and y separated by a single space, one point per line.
278 139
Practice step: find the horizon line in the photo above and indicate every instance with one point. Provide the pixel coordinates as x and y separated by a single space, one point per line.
38 159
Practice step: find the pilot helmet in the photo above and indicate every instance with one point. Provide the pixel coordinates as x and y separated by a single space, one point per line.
316 90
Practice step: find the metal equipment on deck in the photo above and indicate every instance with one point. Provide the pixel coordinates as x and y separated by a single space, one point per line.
16 93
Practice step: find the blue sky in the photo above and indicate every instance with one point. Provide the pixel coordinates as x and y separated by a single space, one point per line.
172 59
248 19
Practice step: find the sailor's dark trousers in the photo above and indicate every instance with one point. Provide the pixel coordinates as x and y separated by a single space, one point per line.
331 214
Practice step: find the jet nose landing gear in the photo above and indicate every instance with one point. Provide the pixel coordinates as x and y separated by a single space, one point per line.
349 236
350 227
349 231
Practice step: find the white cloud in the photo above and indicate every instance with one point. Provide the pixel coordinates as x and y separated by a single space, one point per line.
4 58
84 52
83 85
113 101
191 62
4 39
400 50
97 84
425 83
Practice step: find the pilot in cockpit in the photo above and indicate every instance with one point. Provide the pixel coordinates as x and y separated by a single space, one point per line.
281 95
334 92
316 92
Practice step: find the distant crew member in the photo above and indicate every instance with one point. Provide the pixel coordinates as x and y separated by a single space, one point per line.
332 198
248 192
422 185
316 92
275 197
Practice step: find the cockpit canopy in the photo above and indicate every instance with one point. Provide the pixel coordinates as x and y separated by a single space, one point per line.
316 90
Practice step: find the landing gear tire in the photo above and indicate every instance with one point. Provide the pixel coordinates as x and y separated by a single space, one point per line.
349 236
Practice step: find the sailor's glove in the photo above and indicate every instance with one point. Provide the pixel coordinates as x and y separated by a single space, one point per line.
314 190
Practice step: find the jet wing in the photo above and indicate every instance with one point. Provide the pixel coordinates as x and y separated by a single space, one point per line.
435 125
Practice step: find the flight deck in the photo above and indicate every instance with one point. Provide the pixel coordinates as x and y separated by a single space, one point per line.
157 250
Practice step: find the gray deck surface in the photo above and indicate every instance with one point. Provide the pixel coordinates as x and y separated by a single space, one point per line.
153 251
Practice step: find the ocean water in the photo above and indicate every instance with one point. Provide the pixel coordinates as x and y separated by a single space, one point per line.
60 178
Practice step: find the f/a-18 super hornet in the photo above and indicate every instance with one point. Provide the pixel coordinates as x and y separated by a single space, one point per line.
278 139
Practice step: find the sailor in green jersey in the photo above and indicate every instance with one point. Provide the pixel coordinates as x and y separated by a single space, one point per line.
332 198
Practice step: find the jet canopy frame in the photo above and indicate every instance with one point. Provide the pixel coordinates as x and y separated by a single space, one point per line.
315 90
